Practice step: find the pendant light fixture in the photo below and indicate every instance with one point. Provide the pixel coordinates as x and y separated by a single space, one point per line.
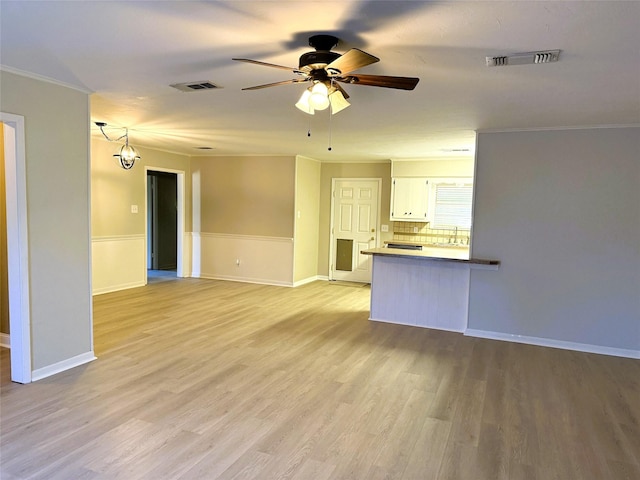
127 156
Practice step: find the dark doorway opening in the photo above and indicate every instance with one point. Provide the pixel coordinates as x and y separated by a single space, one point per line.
162 223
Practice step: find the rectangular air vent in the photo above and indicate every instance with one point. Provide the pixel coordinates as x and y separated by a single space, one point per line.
195 86
546 56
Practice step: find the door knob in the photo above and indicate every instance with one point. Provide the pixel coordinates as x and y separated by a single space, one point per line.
373 238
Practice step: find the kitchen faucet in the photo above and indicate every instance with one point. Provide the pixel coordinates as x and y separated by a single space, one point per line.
455 236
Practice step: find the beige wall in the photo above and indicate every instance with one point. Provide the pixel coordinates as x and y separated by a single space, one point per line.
244 195
307 212
349 170
114 189
4 282
57 191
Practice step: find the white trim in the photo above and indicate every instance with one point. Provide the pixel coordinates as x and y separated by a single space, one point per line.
259 281
308 280
58 367
112 238
89 240
244 237
17 247
549 342
117 288
323 277
5 340
43 78
406 324
547 129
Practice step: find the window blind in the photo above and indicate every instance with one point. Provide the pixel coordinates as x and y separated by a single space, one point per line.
452 206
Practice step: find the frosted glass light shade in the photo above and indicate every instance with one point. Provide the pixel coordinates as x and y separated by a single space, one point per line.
304 105
319 98
338 102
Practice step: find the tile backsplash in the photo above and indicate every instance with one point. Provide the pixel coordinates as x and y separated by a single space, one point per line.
420 232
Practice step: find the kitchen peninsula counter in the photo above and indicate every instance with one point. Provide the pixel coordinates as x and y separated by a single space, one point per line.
447 254
424 288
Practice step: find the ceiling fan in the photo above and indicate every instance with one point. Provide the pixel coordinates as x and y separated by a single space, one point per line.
324 69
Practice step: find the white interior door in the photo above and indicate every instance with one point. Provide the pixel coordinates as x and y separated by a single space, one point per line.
354 228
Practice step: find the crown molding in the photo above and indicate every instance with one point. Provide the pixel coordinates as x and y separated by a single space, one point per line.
43 78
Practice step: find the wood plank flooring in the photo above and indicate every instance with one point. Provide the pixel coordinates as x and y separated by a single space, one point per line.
202 379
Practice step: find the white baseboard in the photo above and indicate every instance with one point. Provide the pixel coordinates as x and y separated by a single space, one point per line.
58 367
548 342
406 324
5 340
259 281
306 280
117 288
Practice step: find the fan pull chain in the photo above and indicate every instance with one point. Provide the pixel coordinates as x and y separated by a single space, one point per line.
330 115
309 128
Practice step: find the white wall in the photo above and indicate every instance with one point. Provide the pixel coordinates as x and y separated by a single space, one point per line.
561 211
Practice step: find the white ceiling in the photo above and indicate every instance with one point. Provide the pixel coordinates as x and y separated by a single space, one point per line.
128 53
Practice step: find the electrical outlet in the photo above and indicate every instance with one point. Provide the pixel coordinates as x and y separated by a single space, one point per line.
134 208
415 229
384 228
237 262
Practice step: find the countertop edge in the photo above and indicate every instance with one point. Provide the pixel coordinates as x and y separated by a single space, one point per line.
418 255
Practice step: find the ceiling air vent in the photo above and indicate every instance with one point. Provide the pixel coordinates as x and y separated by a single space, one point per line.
195 86
546 56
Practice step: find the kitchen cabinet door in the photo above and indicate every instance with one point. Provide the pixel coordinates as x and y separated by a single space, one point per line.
409 199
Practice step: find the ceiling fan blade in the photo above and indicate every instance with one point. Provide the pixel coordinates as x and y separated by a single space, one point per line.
401 83
350 61
285 82
264 64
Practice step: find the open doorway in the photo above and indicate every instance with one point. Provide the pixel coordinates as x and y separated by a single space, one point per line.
162 225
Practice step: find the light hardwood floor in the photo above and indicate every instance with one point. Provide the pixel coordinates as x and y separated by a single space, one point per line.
203 379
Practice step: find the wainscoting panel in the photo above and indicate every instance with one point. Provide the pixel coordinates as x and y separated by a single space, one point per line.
243 258
422 293
118 262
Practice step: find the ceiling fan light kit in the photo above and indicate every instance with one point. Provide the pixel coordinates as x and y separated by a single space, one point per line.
320 97
324 68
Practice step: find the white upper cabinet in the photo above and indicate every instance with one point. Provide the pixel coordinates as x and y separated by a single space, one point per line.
409 199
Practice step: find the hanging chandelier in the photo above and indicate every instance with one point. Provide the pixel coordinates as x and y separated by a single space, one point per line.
127 156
